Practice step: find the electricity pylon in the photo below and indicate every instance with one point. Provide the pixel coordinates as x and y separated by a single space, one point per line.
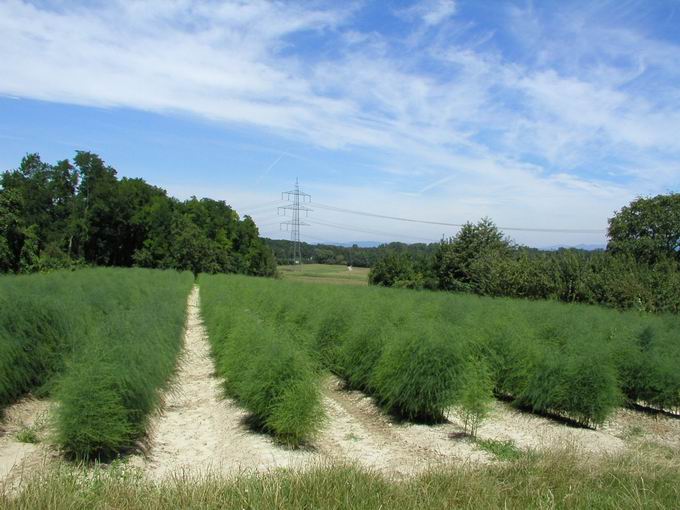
298 199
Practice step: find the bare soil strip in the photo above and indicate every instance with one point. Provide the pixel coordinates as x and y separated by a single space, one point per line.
201 431
362 433
17 457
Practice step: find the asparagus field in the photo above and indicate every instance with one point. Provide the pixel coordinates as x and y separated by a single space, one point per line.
350 390
99 342
419 354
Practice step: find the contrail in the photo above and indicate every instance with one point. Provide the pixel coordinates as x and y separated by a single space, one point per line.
264 174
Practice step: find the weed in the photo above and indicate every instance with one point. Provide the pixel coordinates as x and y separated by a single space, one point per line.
27 435
502 450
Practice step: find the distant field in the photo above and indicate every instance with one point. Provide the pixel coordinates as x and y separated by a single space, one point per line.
326 273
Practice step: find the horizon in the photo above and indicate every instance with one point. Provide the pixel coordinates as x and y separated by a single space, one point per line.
549 116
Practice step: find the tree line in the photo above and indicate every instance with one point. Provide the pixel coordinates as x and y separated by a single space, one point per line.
79 212
358 256
639 269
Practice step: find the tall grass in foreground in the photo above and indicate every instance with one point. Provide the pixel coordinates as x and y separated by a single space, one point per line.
559 480
267 369
412 350
103 341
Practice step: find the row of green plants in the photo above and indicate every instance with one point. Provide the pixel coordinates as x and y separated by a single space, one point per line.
102 343
421 353
266 368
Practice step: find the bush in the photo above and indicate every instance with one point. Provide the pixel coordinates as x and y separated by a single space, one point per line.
35 336
568 359
360 351
581 386
475 395
419 372
113 382
101 342
268 369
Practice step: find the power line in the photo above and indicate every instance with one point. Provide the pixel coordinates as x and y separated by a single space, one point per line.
367 231
253 208
268 224
294 224
457 225
319 240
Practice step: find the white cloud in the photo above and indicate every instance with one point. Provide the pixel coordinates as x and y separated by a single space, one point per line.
432 12
475 132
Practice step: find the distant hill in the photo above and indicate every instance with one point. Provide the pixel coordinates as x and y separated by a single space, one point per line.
360 244
587 247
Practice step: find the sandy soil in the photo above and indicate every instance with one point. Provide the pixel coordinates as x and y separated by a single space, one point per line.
17 457
359 432
200 431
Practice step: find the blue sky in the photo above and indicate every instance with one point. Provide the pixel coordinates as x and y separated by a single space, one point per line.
536 114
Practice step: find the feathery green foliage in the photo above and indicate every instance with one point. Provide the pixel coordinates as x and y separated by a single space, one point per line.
475 395
412 350
101 342
268 369
418 374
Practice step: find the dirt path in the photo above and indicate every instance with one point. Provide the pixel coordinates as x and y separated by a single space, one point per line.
358 431
200 431
28 417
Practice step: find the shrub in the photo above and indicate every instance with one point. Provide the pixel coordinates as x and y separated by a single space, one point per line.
475 395
360 351
569 359
582 386
35 336
264 359
113 381
418 374
101 342
330 329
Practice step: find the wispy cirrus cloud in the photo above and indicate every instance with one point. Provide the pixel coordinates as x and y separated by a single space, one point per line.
514 102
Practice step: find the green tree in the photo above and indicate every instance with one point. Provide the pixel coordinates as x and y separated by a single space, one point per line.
395 269
99 206
455 257
54 216
11 235
648 229
192 249
30 252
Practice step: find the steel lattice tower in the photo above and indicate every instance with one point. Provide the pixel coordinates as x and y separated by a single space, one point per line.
298 199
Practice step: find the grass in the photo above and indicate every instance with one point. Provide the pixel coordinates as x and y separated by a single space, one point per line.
100 342
325 273
557 480
502 450
27 435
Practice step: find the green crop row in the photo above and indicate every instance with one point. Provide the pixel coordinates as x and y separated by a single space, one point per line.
416 351
266 368
100 342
